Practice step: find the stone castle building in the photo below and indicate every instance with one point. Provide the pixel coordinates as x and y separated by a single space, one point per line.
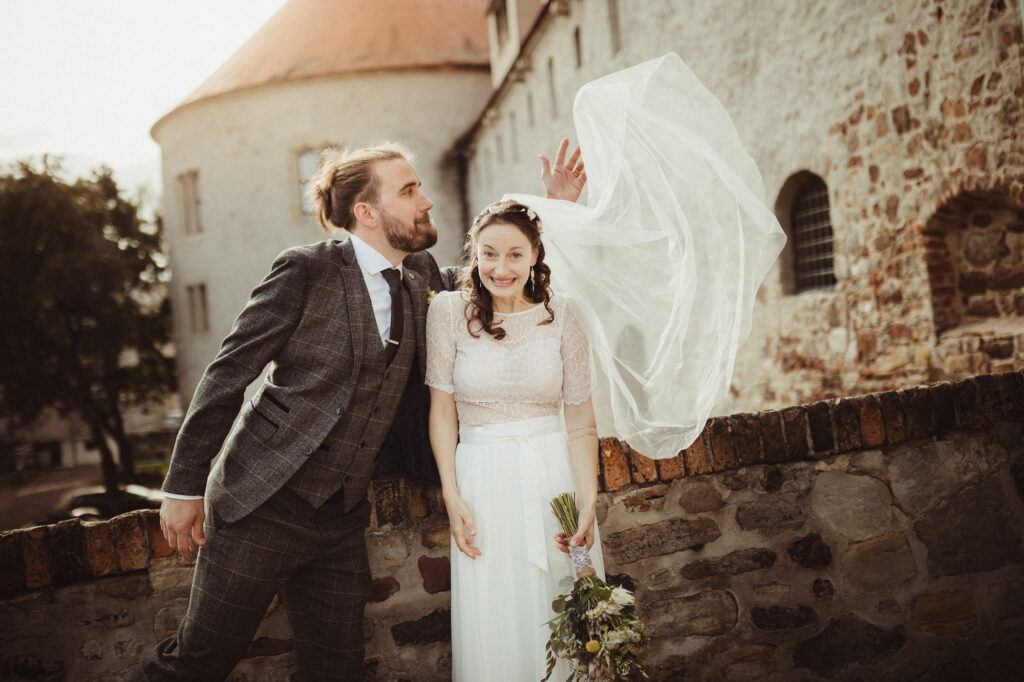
887 132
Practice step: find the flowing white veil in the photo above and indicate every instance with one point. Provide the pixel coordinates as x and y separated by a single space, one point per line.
666 256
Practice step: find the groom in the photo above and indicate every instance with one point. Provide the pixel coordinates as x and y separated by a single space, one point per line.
341 325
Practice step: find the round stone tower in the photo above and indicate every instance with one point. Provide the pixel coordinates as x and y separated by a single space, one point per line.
237 151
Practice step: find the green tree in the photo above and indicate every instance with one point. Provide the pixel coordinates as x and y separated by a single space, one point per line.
85 322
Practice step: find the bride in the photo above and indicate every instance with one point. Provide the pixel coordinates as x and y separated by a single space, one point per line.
505 359
669 250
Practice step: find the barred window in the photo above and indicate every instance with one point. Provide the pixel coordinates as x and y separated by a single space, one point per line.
811 237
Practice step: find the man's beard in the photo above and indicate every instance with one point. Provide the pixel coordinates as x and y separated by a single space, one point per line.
420 235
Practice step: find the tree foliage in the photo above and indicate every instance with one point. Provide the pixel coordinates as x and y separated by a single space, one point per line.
85 322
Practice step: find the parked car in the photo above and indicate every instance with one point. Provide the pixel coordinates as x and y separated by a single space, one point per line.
93 503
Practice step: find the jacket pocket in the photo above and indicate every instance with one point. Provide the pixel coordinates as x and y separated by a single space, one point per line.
259 424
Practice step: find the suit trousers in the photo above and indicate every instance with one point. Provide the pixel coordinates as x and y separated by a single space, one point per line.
315 559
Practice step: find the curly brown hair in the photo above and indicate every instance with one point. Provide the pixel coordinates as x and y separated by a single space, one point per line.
480 308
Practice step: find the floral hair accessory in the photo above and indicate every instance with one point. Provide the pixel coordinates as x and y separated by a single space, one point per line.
499 208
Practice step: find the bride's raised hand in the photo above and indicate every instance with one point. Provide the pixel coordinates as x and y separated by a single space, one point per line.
460 521
565 179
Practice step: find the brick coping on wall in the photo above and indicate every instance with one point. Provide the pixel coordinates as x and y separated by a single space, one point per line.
73 551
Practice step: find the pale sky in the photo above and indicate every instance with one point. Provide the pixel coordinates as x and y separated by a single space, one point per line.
86 79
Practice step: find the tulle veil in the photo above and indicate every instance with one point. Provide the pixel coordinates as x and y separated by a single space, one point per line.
665 257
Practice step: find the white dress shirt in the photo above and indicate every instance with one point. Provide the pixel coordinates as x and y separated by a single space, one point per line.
372 263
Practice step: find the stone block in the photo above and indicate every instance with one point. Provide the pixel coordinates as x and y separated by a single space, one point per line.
707 613
823 588
879 564
382 588
436 573
794 424
644 469
131 541
672 468
433 627
1007 604
697 458
645 499
437 536
773 442
944 614
167 618
67 552
36 557
972 531
845 641
746 439
943 411
989 400
614 464
700 496
657 539
417 506
100 550
12 568
846 414
998 349
893 420
872 426
770 517
858 507
740 561
810 551
918 404
1011 390
723 455
387 501
158 545
967 406
780 617
819 421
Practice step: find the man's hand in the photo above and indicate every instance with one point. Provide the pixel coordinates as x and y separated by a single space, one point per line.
180 520
564 180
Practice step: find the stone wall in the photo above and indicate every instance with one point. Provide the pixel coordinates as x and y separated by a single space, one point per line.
876 537
908 110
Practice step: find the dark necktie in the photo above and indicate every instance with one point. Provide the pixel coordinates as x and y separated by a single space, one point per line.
394 280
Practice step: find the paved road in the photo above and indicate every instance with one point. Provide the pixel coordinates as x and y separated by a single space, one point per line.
29 504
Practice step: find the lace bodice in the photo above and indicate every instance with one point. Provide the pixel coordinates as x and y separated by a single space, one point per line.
529 373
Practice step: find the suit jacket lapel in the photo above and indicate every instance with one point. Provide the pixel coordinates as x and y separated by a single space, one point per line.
357 301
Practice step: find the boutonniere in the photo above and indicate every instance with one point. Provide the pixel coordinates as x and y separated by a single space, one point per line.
431 294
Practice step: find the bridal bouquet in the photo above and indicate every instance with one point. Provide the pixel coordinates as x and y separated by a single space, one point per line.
597 627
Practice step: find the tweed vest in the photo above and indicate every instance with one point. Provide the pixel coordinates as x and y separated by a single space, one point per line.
346 457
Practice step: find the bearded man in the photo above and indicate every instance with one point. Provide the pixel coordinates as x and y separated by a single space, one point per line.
284 510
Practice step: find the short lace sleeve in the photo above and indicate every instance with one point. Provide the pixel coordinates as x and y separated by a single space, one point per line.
441 341
576 375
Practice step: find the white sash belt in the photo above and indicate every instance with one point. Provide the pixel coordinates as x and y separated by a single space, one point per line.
533 474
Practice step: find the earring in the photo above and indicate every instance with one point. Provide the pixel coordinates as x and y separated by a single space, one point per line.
532 283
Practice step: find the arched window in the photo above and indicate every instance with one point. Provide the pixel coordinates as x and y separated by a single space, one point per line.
803 211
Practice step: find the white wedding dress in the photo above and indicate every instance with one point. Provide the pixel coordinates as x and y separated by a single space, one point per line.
512 458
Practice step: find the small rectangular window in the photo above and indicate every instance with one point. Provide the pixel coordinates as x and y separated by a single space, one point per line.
529 109
197 308
578 46
500 9
188 185
613 23
551 86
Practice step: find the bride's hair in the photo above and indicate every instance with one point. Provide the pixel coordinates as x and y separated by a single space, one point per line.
480 307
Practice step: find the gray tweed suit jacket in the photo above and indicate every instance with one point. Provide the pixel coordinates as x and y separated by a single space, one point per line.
309 318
